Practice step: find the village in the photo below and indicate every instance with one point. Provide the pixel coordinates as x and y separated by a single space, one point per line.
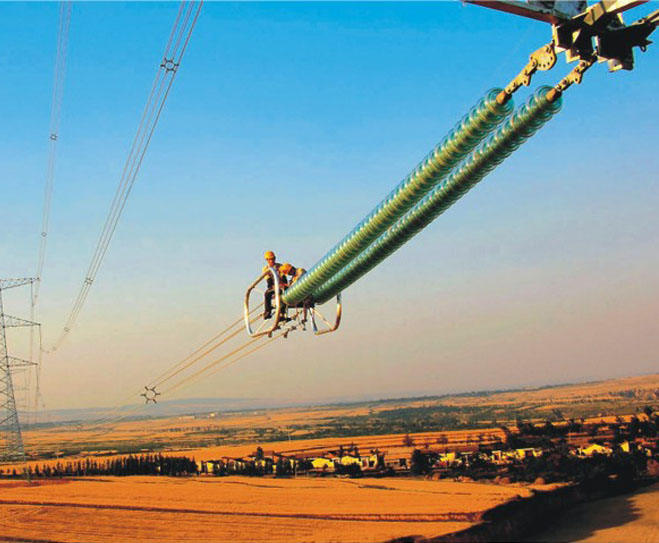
528 451
544 450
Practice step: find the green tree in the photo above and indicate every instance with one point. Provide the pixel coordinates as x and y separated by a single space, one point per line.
420 463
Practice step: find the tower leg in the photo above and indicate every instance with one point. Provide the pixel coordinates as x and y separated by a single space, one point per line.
11 439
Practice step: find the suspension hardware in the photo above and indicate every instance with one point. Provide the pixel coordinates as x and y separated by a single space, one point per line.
542 59
150 395
573 78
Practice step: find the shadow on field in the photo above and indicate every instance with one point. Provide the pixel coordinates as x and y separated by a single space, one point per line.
585 520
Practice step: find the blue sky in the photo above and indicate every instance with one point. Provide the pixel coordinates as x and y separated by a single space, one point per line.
287 123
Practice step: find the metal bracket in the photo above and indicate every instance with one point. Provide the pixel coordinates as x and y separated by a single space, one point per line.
574 77
542 59
614 39
616 46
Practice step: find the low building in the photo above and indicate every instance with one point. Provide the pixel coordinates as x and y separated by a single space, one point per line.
322 464
592 449
527 452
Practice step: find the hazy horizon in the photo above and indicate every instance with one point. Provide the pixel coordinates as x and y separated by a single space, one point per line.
179 406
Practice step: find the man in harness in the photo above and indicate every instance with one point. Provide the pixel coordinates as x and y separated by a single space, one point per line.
284 272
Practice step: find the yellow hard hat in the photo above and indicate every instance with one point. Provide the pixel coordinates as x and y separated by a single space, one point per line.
285 268
269 254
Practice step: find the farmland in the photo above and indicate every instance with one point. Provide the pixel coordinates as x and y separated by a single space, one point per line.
459 418
372 507
241 509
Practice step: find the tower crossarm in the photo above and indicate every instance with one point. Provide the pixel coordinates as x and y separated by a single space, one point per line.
15 362
14 322
16 282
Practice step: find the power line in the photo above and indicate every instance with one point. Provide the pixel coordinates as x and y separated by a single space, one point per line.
177 43
114 416
197 355
215 365
55 111
59 73
210 345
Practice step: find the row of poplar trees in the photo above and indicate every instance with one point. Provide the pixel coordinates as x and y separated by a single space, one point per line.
145 464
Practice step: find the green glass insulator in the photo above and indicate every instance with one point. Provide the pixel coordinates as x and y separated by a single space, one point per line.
525 122
472 129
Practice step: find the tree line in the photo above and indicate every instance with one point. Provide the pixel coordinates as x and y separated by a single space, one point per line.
145 464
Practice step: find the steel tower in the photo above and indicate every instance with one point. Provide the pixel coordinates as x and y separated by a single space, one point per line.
11 440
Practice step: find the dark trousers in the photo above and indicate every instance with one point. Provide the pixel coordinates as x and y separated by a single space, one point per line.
267 302
269 295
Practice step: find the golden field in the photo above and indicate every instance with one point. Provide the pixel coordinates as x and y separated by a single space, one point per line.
146 509
236 509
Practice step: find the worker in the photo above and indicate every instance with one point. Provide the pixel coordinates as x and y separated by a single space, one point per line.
271 260
284 271
294 273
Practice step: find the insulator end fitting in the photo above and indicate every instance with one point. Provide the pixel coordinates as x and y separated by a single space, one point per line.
503 97
553 95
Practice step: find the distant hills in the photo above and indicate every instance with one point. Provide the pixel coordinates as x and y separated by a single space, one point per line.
189 406
164 408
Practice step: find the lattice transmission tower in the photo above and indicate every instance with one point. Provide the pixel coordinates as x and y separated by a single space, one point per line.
11 439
